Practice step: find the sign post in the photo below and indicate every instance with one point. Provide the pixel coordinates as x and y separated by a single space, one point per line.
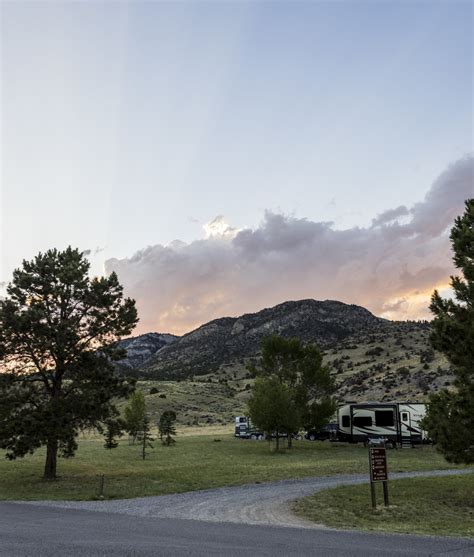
378 472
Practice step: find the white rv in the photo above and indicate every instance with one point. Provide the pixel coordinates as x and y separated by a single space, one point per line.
397 422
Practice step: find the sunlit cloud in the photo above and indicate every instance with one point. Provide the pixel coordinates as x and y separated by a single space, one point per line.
390 267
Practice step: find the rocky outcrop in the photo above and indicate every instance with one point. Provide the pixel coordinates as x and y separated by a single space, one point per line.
140 349
227 340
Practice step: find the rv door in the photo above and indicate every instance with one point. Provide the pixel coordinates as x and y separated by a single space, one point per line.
405 424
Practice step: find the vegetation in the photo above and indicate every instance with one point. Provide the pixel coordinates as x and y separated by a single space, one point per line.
196 462
58 330
146 438
135 415
166 427
449 420
113 430
272 408
294 390
436 506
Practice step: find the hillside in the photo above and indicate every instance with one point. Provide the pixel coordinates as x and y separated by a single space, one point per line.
227 340
203 374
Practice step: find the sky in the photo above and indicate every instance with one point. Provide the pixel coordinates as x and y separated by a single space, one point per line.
227 156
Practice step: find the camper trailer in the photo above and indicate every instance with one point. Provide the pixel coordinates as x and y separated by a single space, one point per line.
397 423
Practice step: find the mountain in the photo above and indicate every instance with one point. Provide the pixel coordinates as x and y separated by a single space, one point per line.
370 358
140 349
229 339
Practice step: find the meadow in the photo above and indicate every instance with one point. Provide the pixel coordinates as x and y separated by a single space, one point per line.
201 459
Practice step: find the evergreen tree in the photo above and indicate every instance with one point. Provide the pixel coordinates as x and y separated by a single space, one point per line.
113 429
300 368
449 420
135 413
58 335
146 438
166 427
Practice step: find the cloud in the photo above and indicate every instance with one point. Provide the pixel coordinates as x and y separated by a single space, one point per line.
390 267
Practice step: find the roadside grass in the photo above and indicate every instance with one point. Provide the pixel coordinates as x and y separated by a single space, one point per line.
195 462
434 506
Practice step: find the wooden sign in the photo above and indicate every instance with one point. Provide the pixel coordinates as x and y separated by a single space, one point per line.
378 464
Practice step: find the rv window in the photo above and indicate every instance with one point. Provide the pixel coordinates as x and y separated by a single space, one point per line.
405 416
362 421
346 421
384 418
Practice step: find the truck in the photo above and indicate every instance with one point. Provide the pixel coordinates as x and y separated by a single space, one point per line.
398 423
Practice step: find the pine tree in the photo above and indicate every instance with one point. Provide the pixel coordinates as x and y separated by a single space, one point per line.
449 420
58 335
167 428
113 429
146 438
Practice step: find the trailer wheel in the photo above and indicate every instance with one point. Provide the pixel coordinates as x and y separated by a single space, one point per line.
253 437
260 437
312 437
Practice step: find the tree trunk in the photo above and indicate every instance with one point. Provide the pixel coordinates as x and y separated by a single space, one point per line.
278 441
290 441
51 460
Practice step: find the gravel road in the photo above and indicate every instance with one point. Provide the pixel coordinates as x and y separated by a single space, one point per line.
262 504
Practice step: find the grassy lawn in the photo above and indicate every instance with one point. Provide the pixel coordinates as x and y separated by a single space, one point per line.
195 462
436 506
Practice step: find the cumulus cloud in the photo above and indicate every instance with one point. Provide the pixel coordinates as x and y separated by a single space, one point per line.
390 267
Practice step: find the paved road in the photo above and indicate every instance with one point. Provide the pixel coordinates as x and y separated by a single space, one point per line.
137 527
30 530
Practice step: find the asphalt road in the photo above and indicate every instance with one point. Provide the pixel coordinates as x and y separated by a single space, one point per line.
32 530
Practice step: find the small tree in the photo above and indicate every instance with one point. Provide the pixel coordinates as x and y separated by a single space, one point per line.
58 341
449 419
166 427
272 408
113 429
146 438
135 413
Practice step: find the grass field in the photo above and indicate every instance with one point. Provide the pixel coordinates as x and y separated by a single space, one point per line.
195 462
436 506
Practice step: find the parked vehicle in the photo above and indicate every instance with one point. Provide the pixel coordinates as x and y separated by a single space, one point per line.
397 423
244 429
329 431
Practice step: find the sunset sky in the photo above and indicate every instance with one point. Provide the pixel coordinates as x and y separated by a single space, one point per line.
226 156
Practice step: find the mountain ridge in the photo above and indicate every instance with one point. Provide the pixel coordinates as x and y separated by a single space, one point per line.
224 340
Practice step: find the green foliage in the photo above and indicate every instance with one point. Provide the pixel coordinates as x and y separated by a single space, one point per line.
135 414
272 407
449 419
166 427
113 429
146 438
308 384
58 335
